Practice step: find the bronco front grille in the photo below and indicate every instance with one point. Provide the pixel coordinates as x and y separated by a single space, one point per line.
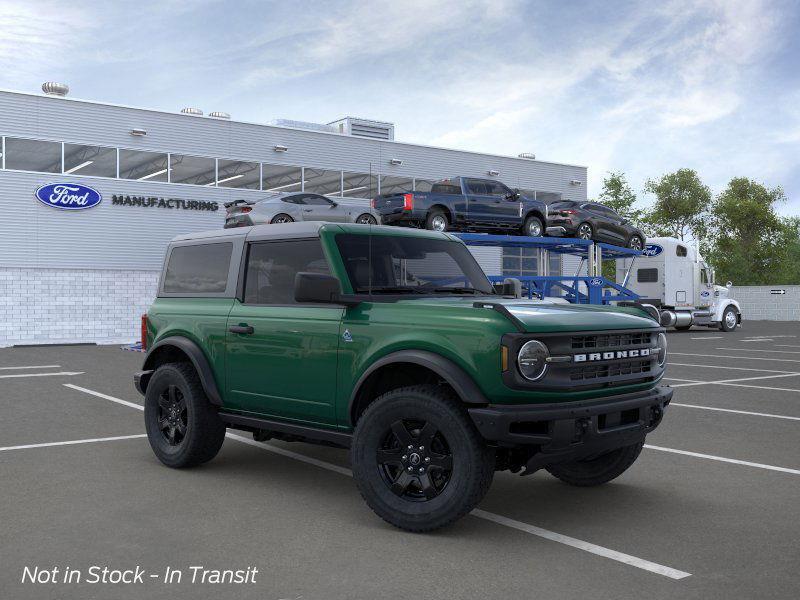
611 340
611 370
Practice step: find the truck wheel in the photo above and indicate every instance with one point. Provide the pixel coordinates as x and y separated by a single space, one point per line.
418 460
729 320
436 220
597 470
533 227
182 426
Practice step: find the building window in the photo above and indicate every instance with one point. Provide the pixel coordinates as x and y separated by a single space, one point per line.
194 170
321 181
360 185
143 166
33 155
237 174
396 185
96 161
280 178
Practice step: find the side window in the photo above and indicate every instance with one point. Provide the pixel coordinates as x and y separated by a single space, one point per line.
647 275
272 266
294 199
681 251
315 200
198 269
704 276
443 187
476 186
495 188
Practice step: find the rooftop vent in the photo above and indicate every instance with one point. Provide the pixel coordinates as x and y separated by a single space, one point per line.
527 155
219 115
51 88
192 111
303 125
376 130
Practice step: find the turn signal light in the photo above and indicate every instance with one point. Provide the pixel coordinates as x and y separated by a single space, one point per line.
408 201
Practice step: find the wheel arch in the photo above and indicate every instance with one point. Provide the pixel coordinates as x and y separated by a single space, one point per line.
535 212
378 378
444 208
181 349
730 302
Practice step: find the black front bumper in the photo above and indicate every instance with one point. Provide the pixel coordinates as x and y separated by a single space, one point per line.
569 431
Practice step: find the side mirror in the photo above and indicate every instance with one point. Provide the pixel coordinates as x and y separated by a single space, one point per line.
334 204
729 285
509 287
317 287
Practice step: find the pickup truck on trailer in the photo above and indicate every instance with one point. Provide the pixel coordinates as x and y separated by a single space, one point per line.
465 203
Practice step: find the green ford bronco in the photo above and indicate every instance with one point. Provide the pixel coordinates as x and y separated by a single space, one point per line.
393 343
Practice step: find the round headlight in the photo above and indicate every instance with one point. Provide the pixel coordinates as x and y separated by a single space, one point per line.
531 360
662 349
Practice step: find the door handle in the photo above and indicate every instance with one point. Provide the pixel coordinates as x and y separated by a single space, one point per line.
243 329
308 209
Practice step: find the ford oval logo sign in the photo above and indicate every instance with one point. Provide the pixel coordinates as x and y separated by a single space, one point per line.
652 250
596 282
68 196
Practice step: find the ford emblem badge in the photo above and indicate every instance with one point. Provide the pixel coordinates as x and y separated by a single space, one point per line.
68 196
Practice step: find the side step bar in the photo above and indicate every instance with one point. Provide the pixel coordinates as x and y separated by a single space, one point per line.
303 432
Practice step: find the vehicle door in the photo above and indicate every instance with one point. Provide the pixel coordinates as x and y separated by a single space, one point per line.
705 290
505 208
281 355
617 225
601 220
320 208
480 203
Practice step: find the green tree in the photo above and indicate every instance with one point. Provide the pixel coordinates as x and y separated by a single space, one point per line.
749 243
618 195
681 205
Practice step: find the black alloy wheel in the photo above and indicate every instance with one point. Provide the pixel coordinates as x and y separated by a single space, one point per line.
414 460
584 231
172 417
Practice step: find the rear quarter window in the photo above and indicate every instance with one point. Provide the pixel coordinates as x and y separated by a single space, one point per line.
198 269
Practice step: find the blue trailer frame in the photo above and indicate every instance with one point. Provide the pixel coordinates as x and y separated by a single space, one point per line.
598 289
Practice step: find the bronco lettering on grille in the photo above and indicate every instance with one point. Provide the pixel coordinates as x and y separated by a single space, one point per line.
639 352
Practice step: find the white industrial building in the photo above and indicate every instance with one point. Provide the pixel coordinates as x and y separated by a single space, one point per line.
71 276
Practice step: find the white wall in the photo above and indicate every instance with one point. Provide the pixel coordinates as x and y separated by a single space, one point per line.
760 304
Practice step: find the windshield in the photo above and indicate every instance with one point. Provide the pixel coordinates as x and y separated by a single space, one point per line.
384 264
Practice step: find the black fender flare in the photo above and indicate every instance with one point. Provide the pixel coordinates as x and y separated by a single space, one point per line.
466 388
198 360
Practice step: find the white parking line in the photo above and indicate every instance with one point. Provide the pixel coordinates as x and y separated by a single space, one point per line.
758 340
723 459
786 346
73 442
731 381
16 375
481 514
791 360
739 412
31 367
672 364
708 337
757 350
761 387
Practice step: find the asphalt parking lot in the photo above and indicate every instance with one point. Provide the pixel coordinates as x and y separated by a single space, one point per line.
710 510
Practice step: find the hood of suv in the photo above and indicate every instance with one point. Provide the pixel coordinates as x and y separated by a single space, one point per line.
543 316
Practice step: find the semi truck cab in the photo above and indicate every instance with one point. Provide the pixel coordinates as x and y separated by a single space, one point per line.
672 276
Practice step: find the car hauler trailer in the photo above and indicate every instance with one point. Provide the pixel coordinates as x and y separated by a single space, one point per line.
672 276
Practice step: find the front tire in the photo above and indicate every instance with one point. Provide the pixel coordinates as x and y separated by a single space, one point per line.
729 320
533 227
418 460
183 428
597 470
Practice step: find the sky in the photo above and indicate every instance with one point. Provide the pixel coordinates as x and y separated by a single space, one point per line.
639 87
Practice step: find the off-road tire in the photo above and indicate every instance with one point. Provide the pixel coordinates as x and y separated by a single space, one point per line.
472 460
723 325
431 219
531 222
281 218
599 470
205 431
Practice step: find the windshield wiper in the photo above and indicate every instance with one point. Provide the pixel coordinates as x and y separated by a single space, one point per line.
458 290
390 290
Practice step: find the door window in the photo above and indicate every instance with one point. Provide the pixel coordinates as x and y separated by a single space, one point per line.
476 186
272 266
495 188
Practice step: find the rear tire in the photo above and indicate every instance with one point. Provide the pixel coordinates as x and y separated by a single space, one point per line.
599 470
729 320
533 227
367 219
437 220
183 428
418 460
584 232
635 243
281 218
